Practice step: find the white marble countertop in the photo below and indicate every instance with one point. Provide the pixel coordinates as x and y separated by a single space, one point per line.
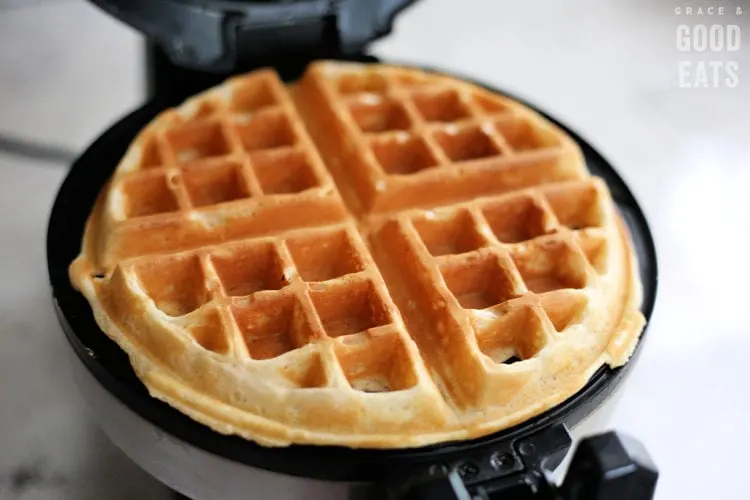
609 69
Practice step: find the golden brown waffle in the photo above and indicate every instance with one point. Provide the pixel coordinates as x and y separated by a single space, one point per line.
470 274
397 139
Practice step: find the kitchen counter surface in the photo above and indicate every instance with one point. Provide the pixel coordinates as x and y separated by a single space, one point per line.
609 69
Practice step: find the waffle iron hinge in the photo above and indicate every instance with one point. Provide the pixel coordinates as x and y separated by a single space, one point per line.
608 466
228 37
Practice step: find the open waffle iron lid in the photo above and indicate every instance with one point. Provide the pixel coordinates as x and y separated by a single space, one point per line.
111 367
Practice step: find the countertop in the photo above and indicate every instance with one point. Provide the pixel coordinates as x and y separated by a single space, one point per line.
611 70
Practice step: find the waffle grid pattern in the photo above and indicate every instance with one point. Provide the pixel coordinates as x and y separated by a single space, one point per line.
259 299
407 130
248 148
488 265
512 269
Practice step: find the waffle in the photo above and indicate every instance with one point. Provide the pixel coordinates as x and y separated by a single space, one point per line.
373 256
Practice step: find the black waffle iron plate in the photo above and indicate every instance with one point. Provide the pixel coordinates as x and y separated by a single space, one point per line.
110 366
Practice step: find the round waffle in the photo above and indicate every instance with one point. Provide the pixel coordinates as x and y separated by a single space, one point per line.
372 257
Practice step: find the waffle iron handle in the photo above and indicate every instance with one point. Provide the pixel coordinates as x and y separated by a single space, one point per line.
608 466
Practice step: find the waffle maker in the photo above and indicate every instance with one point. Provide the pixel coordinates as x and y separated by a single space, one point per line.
192 45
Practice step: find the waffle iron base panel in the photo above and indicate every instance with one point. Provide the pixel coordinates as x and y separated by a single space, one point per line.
110 366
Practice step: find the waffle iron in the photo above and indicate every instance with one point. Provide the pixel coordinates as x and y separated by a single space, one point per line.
191 46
